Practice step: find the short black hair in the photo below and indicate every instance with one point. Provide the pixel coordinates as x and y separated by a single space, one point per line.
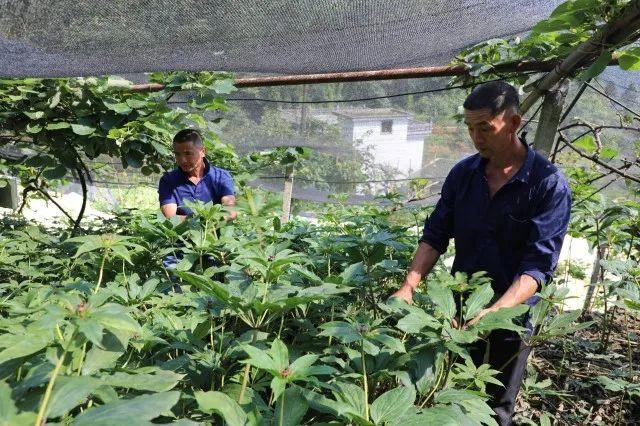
495 95
189 135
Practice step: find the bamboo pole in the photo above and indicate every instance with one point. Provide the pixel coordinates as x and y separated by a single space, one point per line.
375 75
550 119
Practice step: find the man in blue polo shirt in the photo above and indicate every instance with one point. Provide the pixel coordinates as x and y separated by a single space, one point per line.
194 179
507 209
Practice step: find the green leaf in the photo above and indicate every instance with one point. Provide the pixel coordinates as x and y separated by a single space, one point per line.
161 381
118 107
441 415
416 321
425 366
501 319
597 67
82 130
25 345
223 86
151 126
344 331
59 125
292 405
92 330
136 103
351 395
562 323
113 81
33 128
89 244
56 173
443 297
392 404
69 392
114 343
7 407
259 358
34 115
134 159
478 300
630 59
55 100
219 403
612 385
390 342
113 316
586 143
122 252
300 367
138 409
280 354
278 384
9 413
608 153
160 148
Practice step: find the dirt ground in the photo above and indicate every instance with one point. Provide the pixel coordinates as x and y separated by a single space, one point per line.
562 376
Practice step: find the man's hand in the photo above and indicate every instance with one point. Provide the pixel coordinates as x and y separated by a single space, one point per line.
479 316
405 293
424 259
229 201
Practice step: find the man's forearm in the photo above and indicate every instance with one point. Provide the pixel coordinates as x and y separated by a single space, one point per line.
426 256
520 290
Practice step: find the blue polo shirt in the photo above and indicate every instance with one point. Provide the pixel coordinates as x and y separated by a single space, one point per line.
176 188
518 231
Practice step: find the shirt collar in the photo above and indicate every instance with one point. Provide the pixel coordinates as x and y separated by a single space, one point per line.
523 173
207 169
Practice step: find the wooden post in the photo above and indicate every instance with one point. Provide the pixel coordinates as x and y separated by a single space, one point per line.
550 119
287 194
596 272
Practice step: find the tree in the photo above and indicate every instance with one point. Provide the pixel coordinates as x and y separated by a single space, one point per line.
60 123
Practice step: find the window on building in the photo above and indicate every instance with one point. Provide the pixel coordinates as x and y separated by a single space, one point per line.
386 126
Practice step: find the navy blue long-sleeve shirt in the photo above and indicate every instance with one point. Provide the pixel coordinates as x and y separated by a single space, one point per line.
518 231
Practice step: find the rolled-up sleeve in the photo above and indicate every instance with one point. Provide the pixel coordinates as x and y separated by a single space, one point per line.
549 226
438 228
165 192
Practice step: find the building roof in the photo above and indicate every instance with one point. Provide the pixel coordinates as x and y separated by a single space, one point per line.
369 113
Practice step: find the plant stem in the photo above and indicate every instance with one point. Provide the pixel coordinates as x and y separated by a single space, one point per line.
365 384
629 352
211 332
221 336
436 384
281 325
281 420
619 414
332 314
247 368
82 355
47 394
104 258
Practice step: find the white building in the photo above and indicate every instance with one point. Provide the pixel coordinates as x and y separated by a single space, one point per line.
393 137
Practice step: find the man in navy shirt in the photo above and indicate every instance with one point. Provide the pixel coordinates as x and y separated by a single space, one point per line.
507 209
194 179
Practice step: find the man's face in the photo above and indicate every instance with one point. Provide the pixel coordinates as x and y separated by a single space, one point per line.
188 156
491 133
